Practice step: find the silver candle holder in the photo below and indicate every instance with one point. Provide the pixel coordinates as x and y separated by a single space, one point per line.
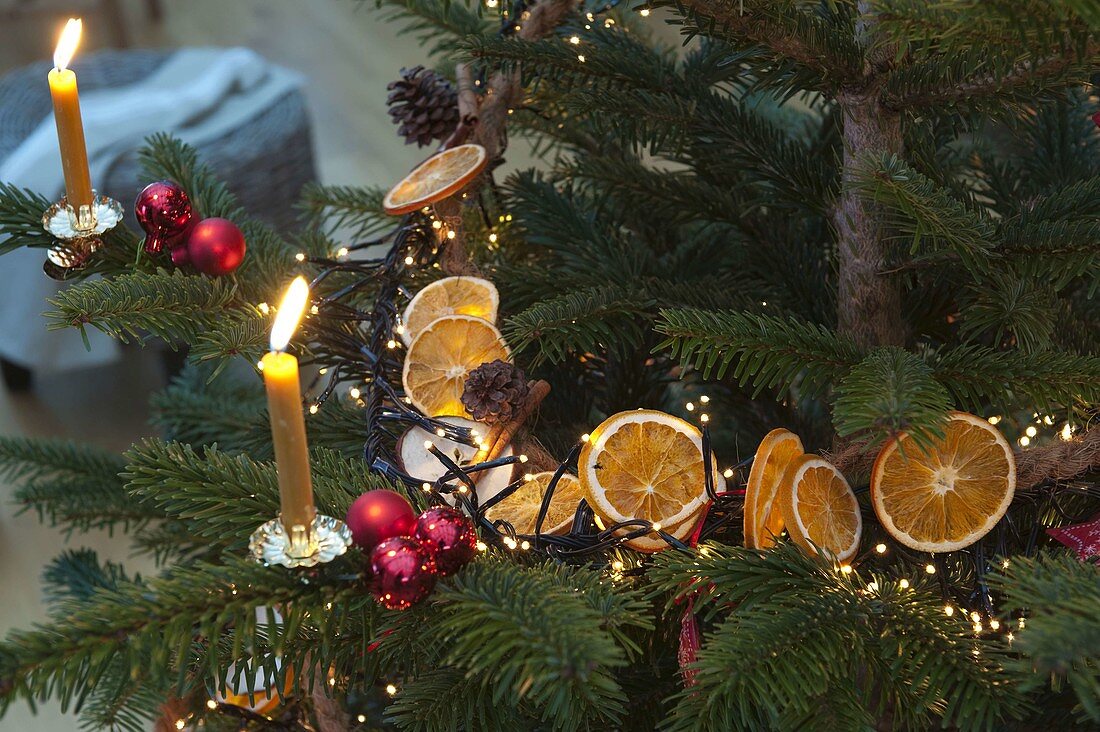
325 539
78 233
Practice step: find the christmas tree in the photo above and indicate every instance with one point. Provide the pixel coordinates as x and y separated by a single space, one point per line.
855 242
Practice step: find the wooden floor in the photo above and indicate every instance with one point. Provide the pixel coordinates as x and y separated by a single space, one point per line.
348 55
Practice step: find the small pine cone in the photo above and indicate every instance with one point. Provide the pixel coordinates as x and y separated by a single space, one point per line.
424 104
494 391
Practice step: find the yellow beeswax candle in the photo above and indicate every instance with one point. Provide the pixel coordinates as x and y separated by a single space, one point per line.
284 402
70 127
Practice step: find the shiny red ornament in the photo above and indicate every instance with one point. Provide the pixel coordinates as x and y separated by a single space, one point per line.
449 535
1081 538
180 256
164 211
379 515
402 572
215 246
1096 118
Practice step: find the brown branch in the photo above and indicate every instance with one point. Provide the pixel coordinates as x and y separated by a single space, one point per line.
1058 462
751 26
484 120
504 89
988 84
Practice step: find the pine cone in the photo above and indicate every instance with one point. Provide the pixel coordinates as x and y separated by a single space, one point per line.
425 104
494 391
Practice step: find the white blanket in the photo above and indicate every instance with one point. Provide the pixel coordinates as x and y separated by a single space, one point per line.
198 95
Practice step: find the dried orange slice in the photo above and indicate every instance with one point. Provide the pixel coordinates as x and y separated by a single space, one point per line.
949 496
450 296
819 508
415 459
521 509
644 464
440 176
253 693
653 542
442 355
763 516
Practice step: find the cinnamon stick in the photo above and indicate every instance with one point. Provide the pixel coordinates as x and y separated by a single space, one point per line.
502 433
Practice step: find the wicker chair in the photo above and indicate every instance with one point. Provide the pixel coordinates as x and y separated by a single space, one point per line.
267 185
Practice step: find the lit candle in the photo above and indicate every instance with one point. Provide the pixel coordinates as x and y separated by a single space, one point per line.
66 112
288 426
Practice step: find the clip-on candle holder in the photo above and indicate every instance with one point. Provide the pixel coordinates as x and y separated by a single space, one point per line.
326 539
79 233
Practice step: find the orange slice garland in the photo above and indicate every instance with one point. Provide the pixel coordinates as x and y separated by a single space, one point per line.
440 176
819 508
948 496
441 357
645 464
521 509
763 516
449 296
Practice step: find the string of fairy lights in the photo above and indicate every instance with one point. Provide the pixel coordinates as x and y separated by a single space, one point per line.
369 355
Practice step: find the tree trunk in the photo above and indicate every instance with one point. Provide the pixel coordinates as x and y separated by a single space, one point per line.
868 302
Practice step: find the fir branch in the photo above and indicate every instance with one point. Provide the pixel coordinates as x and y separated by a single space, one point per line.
77 574
1061 641
584 321
439 25
930 216
532 636
565 225
21 218
890 391
74 486
824 45
766 351
168 305
241 333
268 265
201 410
165 156
995 27
611 59
1044 380
1011 311
755 668
151 629
448 700
985 79
345 207
738 141
676 197
118 701
222 495
1054 238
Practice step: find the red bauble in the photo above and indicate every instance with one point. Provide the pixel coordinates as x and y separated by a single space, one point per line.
180 256
164 211
449 535
215 246
378 515
402 572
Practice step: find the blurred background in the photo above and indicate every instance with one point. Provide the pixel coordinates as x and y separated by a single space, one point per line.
345 53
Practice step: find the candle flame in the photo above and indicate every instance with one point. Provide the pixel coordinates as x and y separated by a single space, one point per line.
66 45
290 312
